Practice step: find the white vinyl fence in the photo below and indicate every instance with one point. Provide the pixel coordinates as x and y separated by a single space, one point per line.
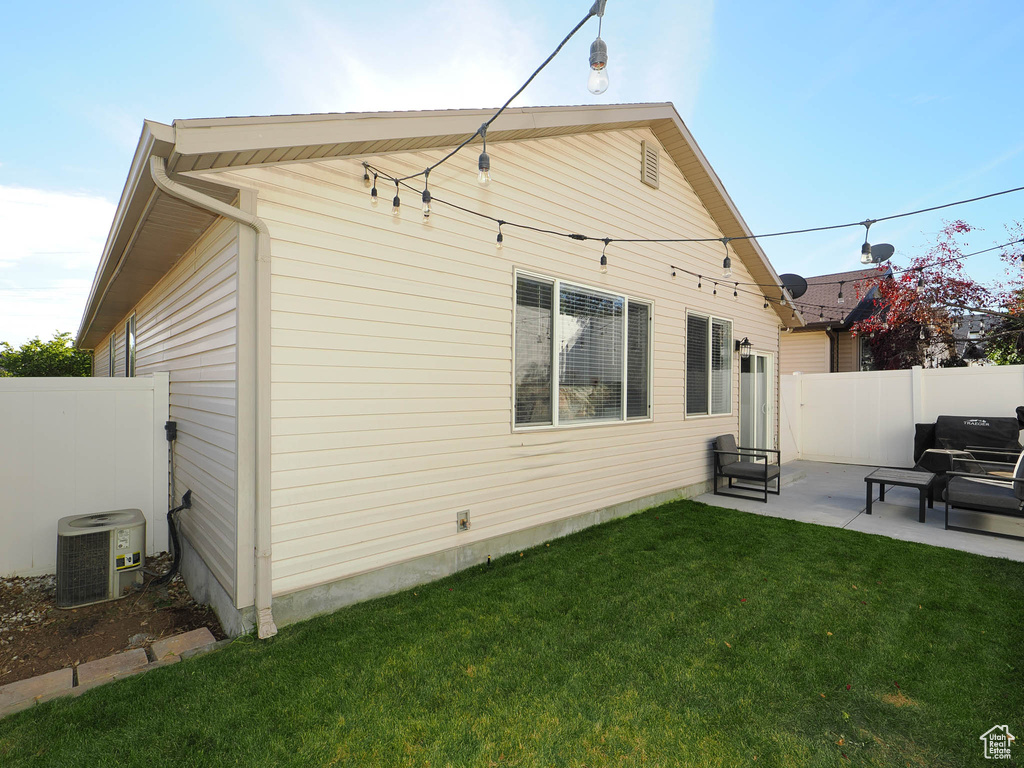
868 418
71 446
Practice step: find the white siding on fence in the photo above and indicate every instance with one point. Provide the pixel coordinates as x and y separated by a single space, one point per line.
392 346
869 417
76 446
806 352
187 326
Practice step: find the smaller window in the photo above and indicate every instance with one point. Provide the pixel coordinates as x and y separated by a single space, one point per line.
112 355
708 366
129 347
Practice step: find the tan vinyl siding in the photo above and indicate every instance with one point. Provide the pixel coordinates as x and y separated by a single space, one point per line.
392 346
186 326
806 352
849 348
101 359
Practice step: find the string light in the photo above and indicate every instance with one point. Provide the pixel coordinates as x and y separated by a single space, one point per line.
396 204
865 250
736 291
366 176
840 298
500 238
714 291
766 302
426 197
597 82
373 192
604 258
727 262
484 163
920 282
698 282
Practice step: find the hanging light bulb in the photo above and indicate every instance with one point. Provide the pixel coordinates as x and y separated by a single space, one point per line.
726 262
373 192
604 257
366 176
736 291
698 282
766 302
426 194
396 204
597 82
484 163
865 250
500 238
921 334
714 291
920 283
840 299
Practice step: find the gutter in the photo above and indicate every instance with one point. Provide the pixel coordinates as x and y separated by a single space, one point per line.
265 626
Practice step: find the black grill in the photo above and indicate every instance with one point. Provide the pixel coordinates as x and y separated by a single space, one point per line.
83 565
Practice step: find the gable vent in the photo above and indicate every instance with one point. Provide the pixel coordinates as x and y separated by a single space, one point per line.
649 164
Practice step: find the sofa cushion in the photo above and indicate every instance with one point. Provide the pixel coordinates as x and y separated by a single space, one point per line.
972 492
750 470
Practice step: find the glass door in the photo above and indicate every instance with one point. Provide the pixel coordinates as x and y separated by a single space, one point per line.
756 401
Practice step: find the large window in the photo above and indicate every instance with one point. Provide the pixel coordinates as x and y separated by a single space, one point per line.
581 355
708 366
129 347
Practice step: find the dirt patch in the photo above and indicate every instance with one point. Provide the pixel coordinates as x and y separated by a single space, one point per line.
37 637
899 699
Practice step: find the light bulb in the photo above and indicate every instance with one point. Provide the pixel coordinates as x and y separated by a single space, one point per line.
597 83
727 267
396 205
865 253
500 239
484 166
840 299
373 197
604 264
426 203
366 179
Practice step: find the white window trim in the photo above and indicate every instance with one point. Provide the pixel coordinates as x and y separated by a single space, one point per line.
556 292
732 366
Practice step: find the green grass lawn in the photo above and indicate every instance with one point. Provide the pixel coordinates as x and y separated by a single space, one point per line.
684 635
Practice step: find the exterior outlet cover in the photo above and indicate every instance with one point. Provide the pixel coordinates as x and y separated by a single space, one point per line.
463 521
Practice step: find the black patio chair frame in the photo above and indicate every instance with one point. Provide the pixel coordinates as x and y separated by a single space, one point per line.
763 486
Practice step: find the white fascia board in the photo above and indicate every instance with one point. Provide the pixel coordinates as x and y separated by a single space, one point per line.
156 138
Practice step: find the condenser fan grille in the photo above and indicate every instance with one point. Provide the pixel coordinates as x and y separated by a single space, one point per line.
82 568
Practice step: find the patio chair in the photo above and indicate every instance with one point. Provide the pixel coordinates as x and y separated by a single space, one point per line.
749 466
997 492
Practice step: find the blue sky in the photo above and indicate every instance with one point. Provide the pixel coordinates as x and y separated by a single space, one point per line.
811 113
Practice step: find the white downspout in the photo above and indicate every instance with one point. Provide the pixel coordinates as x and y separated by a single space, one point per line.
265 626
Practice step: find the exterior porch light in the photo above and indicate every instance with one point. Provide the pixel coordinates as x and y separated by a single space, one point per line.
743 347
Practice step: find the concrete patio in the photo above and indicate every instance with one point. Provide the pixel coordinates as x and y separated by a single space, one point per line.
834 494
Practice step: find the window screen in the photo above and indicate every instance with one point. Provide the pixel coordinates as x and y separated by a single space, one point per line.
533 351
638 324
721 366
590 355
708 366
696 365
587 350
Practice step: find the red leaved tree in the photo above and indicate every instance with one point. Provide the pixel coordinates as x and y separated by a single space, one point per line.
918 307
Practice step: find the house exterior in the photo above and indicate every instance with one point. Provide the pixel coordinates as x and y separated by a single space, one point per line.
349 384
824 343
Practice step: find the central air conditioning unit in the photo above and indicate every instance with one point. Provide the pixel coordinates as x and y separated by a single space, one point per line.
99 556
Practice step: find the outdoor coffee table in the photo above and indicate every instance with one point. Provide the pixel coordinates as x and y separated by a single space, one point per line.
908 478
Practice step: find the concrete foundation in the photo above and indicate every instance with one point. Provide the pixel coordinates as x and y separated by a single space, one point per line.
326 598
205 588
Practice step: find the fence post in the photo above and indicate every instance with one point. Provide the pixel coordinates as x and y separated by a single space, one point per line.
917 393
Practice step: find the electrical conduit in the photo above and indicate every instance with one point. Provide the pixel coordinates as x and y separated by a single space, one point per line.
265 626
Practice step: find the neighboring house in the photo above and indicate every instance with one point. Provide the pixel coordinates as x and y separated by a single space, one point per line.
969 335
824 344
348 384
